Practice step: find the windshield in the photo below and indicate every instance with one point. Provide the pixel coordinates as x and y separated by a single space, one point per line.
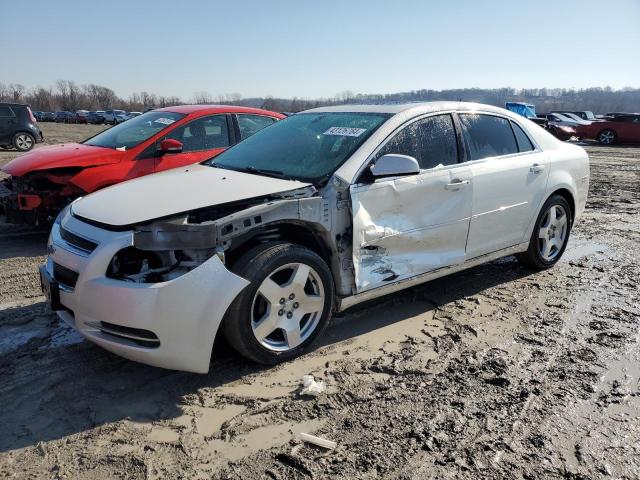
306 146
135 131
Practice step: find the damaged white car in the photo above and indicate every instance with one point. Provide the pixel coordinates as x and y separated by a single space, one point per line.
312 215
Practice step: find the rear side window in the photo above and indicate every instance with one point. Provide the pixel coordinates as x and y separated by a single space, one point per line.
524 144
250 124
6 112
431 141
487 136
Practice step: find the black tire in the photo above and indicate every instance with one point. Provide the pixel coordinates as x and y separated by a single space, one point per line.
532 257
23 141
256 265
607 137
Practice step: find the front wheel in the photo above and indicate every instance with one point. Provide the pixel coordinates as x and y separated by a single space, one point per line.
285 308
550 234
23 141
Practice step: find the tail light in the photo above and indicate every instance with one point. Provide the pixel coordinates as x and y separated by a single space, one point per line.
31 116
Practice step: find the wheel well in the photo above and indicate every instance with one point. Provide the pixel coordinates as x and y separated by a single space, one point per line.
566 194
608 129
298 233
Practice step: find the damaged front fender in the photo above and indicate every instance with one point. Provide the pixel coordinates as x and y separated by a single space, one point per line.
180 233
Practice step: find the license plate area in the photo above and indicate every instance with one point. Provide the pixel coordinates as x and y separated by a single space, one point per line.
50 289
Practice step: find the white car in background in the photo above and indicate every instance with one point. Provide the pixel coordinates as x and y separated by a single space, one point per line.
312 215
114 116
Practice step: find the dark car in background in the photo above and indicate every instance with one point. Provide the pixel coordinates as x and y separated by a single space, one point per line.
18 127
63 117
48 116
80 116
96 117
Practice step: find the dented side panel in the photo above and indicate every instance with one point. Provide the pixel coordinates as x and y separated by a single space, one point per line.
408 226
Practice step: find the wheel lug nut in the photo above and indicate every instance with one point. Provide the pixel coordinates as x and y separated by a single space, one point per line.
292 296
296 305
280 312
281 301
289 315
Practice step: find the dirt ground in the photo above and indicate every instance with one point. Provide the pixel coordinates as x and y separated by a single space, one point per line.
496 372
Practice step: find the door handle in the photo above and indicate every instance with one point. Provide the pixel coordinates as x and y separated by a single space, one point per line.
456 184
536 168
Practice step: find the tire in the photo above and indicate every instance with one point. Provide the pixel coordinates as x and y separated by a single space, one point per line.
550 234
258 327
607 137
23 141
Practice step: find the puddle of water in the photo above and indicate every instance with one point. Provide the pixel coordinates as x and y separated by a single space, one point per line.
575 252
262 438
210 420
13 337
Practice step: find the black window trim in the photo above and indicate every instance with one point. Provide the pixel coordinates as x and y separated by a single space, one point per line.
536 147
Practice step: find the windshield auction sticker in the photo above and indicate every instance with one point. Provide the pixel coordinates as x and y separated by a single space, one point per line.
164 121
345 131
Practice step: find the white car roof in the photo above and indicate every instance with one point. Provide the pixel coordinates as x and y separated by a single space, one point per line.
403 113
418 108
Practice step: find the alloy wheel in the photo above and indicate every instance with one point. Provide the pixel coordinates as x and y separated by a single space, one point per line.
553 232
24 141
287 307
607 137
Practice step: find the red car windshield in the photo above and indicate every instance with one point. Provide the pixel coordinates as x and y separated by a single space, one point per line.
133 132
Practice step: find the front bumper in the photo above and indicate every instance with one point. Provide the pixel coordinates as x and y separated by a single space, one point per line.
183 314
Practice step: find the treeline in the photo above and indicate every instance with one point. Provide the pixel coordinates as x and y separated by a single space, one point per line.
67 95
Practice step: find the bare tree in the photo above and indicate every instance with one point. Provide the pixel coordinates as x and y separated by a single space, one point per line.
202 97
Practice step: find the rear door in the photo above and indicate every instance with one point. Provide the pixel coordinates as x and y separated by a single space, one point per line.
509 176
406 226
202 138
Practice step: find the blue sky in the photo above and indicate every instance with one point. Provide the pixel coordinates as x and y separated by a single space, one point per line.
312 49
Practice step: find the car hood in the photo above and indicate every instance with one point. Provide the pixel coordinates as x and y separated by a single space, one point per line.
61 156
175 191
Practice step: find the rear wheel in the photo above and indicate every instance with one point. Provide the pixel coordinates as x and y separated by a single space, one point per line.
23 141
550 234
285 308
607 137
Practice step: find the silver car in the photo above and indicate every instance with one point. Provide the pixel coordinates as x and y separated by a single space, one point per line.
310 216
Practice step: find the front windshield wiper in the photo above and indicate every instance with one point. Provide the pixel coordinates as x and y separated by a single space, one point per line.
260 171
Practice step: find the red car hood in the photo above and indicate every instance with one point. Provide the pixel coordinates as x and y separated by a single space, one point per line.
60 156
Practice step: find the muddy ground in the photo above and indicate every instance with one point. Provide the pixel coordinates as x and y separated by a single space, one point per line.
497 372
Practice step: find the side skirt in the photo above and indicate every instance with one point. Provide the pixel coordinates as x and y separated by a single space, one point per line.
348 302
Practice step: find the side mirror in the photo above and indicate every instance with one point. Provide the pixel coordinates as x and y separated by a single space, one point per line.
393 165
169 145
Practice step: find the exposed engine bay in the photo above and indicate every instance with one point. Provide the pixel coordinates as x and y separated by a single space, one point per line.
168 248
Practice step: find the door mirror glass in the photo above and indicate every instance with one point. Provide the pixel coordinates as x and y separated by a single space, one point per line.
170 145
393 165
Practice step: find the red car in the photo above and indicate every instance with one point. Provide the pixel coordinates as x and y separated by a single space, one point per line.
622 128
45 180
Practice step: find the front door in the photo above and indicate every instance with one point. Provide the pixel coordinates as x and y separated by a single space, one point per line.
509 179
403 227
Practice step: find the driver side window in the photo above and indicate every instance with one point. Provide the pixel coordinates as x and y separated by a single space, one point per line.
431 141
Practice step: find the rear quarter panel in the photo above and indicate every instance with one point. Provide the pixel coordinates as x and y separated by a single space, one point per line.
569 170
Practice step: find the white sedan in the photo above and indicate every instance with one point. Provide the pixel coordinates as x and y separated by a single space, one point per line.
312 215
